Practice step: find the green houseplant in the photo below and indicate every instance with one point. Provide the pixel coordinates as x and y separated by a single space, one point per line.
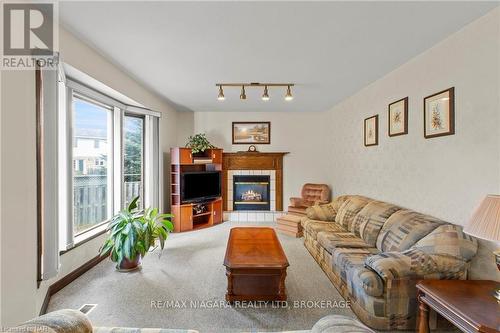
199 143
132 232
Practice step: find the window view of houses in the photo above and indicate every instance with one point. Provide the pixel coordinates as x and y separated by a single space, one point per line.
92 172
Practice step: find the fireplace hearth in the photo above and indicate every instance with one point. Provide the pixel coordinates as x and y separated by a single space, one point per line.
251 192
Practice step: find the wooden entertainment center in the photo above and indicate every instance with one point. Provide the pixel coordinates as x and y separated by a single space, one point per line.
192 216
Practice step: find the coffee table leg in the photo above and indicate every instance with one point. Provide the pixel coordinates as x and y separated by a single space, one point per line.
229 293
282 290
423 322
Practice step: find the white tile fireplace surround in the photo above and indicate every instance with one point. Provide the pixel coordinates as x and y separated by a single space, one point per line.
253 215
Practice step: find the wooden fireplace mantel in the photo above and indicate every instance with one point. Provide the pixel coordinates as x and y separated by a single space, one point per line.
255 161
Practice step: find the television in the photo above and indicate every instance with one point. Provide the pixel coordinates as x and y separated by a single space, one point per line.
200 186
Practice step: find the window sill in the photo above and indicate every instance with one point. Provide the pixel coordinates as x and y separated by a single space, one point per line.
85 237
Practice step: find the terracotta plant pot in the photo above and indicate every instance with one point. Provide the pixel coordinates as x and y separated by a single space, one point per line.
127 265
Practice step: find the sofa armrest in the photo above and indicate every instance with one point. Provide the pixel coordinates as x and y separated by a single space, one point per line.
339 324
296 202
141 330
410 264
326 212
61 321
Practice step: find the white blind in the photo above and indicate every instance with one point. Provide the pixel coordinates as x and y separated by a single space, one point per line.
152 177
49 175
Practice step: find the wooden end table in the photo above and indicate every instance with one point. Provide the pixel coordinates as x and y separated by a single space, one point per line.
467 304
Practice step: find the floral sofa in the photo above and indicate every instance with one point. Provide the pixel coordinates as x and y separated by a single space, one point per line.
374 252
73 321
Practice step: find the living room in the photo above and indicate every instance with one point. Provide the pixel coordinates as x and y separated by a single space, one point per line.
319 85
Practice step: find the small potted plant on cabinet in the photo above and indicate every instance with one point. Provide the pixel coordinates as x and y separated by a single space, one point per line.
198 144
132 232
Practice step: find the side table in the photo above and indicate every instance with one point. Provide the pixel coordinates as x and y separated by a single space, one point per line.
467 304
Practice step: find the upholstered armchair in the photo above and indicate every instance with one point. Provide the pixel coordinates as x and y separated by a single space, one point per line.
311 194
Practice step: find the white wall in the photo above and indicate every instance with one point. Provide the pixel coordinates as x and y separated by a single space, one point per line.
20 298
445 176
18 197
301 134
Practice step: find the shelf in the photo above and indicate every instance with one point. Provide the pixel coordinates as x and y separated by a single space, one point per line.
201 226
202 214
202 161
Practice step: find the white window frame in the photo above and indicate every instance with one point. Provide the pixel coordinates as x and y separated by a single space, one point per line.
99 227
143 162
152 159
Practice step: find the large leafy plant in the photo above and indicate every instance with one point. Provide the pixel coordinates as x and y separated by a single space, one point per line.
133 232
199 143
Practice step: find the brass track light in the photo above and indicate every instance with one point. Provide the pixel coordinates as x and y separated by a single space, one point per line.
265 95
243 95
288 96
221 96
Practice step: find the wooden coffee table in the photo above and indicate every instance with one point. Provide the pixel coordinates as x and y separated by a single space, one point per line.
255 265
467 304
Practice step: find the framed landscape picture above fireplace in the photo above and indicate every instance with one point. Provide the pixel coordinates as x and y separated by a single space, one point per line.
247 132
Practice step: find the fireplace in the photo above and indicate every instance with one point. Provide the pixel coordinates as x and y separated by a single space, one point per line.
251 192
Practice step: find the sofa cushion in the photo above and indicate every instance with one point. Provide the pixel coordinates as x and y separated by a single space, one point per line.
326 212
349 209
404 228
448 240
330 240
370 220
313 227
409 264
343 258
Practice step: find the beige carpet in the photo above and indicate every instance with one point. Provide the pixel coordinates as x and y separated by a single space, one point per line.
191 270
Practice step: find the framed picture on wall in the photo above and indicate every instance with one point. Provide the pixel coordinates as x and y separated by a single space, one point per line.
371 131
398 117
248 132
439 114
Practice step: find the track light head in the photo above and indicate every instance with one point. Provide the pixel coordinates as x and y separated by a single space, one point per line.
243 95
221 96
265 95
288 96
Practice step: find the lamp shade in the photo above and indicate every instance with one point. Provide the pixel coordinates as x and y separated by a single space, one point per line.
485 222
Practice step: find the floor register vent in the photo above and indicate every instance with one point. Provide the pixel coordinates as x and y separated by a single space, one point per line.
87 308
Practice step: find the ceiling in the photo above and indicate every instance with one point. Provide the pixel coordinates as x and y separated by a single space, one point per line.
329 50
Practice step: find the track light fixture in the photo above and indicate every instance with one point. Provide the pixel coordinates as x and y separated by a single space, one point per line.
288 96
265 95
221 96
243 95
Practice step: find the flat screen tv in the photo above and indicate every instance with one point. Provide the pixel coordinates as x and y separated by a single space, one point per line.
200 186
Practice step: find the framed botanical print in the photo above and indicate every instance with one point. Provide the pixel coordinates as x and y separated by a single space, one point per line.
248 132
398 117
439 114
371 131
